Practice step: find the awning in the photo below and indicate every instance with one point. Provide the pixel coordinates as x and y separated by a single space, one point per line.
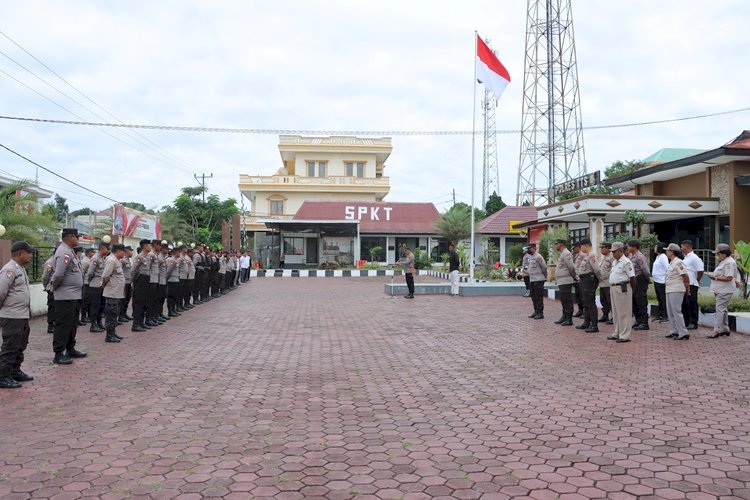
742 180
330 227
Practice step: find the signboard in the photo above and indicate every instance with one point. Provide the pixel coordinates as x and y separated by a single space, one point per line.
132 223
577 184
512 229
367 213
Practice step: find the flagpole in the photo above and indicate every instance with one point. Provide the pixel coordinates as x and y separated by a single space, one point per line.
473 150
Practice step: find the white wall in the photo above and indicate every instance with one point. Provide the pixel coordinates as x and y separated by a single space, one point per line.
38 299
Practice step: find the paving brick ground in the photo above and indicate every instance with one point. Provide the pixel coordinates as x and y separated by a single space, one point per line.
312 387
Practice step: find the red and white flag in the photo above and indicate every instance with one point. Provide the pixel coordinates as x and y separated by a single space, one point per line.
490 71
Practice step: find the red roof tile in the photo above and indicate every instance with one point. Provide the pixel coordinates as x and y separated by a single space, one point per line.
742 141
375 217
497 223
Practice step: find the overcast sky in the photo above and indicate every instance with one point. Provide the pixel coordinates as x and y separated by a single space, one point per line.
342 65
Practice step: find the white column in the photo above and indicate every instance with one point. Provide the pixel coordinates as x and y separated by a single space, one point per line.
596 231
502 249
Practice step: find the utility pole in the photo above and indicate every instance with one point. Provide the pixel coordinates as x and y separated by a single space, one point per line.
202 180
454 196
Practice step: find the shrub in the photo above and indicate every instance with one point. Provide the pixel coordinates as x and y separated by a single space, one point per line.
515 255
422 260
376 253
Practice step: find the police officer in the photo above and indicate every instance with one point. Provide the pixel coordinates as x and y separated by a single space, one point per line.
86 305
173 282
183 270
525 271
15 311
152 299
576 252
537 274
67 285
642 279
604 265
200 275
94 277
190 282
141 274
588 283
46 275
622 280
127 266
113 283
162 289
565 276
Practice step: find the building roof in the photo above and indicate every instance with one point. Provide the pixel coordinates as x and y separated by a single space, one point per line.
738 149
32 188
670 154
499 222
374 217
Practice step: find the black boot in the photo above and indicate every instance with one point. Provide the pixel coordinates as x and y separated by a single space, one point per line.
62 359
20 376
138 328
111 337
9 383
76 354
95 328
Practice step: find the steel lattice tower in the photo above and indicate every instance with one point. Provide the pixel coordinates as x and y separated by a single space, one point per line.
551 129
490 178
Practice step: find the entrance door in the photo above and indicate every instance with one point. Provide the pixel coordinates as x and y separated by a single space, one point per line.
312 251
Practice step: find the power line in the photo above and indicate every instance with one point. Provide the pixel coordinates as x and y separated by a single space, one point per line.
157 148
56 174
262 131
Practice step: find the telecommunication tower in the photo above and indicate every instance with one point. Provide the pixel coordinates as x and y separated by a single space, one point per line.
551 129
490 178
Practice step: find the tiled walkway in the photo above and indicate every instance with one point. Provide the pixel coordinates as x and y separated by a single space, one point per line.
327 388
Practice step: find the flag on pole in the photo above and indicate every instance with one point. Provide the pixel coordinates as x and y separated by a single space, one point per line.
490 71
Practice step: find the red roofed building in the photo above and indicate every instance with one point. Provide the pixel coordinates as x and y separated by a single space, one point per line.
498 227
321 231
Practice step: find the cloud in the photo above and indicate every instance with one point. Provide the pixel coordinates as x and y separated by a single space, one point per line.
349 66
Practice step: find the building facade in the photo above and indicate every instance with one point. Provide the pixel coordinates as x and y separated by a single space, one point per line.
703 197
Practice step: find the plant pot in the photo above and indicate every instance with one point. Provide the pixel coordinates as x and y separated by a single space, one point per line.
551 273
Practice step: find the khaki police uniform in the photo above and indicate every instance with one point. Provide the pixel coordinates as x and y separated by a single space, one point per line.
15 311
622 297
67 286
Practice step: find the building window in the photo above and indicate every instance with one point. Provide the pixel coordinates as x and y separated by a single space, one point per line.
612 230
355 168
316 167
578 234
294 246
277 207
366 244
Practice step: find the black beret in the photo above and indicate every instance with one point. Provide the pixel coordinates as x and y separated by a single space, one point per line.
605 244
78 249
128 247
117 247
562 241
144 242
20 246
69 231
156 242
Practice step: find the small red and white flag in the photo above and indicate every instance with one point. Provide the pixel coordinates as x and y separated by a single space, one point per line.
490 71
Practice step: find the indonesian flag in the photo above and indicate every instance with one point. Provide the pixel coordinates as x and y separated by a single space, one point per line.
490 71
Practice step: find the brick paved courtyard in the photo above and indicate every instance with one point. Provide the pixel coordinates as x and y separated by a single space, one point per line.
313 387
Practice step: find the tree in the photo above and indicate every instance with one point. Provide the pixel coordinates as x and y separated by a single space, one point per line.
22 218
479 214
494 204
619 168
742 256
82 211
190 218
58 209
137 206
455 225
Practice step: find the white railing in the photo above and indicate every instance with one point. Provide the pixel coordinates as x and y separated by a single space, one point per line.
332 180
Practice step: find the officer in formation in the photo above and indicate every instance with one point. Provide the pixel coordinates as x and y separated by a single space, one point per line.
113 291
175 276
588 282
46 275
565 277
88 254
536 274
15 312
93 275
127 265
642 279
603 270
66 284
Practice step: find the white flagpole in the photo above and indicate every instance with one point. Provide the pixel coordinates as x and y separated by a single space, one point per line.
473 149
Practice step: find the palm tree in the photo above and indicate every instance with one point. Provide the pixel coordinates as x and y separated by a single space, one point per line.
455 225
